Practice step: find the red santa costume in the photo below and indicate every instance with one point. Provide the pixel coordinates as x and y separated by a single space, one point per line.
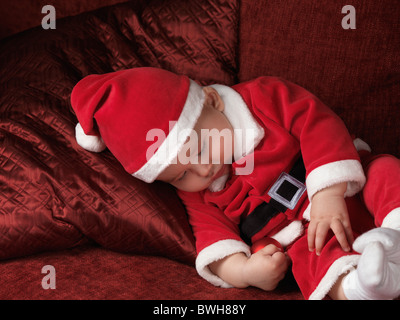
287 120
275 122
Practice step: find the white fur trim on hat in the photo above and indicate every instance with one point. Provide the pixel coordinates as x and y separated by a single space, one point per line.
177 136
89 142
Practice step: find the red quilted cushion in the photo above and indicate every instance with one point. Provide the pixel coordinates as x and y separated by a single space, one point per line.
54 194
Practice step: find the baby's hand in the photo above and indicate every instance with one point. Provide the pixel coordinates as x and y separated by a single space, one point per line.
265 268
329 211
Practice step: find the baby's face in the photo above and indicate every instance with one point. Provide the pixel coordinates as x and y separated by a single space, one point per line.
208 152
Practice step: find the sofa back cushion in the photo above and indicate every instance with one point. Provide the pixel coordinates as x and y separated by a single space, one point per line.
354 71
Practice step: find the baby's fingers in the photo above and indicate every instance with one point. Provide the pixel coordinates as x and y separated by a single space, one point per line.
316 236
269 250
344 234
320 236
312 227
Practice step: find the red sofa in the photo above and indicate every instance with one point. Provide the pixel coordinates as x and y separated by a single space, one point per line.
109 236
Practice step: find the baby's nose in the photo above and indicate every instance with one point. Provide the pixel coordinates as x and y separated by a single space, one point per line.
203 170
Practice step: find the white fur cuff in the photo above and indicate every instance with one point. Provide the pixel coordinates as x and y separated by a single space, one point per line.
215 252
327 175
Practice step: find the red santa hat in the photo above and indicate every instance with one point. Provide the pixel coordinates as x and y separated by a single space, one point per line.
121 110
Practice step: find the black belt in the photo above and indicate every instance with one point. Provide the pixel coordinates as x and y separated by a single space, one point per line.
285 194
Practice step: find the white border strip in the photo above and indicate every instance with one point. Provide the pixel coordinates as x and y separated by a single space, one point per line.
175 139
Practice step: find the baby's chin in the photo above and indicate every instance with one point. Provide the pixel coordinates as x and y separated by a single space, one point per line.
197 188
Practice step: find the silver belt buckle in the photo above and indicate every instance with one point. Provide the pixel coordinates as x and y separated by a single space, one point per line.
276 192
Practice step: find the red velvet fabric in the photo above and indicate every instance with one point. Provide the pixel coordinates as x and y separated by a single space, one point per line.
89 272
356 72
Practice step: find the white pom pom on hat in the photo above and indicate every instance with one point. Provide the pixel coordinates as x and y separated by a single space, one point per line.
89 142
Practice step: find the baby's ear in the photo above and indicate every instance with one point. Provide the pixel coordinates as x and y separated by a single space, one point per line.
213 98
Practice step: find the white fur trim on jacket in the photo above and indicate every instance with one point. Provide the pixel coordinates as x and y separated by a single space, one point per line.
327 175
289 234
392 220
247 132
215 252
339 267
177 136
